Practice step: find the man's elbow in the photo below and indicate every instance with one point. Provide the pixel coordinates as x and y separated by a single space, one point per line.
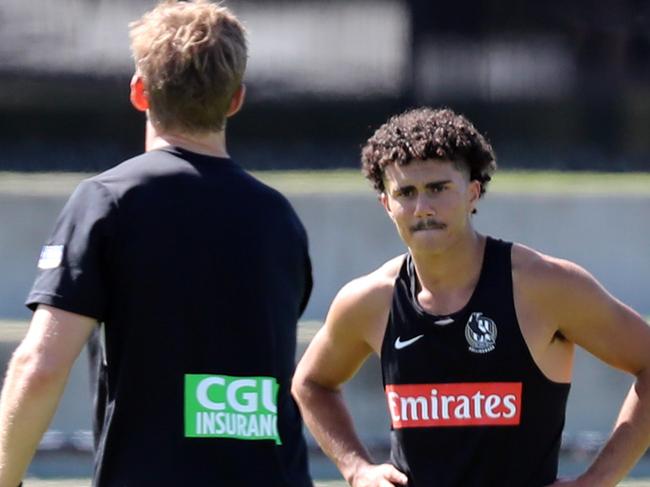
34 372
308 391
303 388
642 384
298 388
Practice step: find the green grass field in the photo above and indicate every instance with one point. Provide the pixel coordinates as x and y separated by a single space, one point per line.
553 182
351 181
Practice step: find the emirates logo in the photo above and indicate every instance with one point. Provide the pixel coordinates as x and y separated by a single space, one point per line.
454 404
481 333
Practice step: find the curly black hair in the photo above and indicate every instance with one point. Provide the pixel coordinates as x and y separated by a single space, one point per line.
426 133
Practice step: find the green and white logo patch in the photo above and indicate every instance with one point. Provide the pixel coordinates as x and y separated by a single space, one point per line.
223 406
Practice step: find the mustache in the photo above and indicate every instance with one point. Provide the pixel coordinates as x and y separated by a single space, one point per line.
428 224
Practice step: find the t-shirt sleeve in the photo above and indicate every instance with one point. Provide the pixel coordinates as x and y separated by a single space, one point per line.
309 285
74 262
307 270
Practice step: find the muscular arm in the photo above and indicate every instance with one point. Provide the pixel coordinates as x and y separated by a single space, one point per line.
352 331
590 317
35 380
322 404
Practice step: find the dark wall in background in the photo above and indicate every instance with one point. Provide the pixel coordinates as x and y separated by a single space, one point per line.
552 84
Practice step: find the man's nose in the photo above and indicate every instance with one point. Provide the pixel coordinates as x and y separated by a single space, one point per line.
424 206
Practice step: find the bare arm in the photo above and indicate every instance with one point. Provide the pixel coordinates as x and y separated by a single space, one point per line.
348 337
36 377
326 414
593 319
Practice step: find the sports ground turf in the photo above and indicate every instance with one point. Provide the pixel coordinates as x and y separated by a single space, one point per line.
351 181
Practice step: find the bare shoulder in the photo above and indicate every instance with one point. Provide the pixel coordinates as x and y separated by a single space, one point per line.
354 329
565 292
548 292
371 289
361 307
570 300
548 276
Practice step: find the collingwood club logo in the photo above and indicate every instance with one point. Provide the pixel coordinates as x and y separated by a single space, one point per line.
481 333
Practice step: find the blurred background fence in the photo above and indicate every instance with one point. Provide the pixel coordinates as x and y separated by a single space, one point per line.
553 84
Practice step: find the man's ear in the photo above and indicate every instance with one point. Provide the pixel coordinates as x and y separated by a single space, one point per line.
139 98
385 202
237 100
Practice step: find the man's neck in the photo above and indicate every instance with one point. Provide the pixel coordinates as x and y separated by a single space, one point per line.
210 144
448 278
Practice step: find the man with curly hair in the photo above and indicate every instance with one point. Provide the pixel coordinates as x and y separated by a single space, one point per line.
476 335
198 274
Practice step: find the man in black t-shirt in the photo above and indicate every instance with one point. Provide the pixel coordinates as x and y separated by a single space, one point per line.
198 274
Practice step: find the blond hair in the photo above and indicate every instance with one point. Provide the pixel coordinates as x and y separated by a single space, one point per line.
192 57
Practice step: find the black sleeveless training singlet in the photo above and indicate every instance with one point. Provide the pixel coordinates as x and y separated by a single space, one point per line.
468 405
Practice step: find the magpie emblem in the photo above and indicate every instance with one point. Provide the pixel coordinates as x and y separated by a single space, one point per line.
481 333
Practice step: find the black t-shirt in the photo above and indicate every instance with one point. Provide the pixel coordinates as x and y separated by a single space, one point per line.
199 273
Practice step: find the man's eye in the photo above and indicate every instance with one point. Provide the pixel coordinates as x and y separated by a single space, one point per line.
406 192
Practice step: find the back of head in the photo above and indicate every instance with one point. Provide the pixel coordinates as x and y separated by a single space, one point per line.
424 134
192 57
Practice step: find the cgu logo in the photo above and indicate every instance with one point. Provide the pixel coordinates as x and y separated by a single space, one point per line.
222 406
242 395
460 404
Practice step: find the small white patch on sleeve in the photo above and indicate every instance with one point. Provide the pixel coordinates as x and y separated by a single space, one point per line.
51 257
